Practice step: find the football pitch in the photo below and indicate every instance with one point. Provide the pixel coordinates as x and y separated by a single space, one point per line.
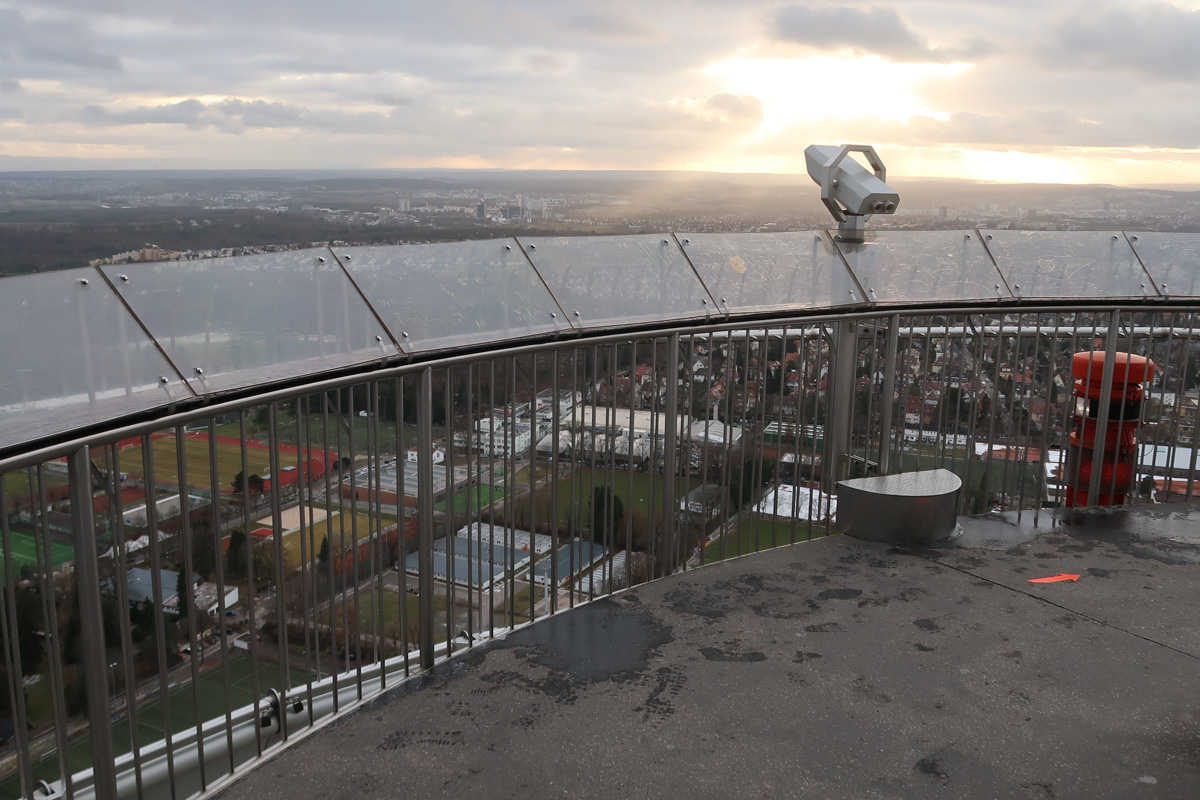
24 551
196 461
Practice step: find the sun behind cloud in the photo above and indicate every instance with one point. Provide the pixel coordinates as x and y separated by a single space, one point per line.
793 91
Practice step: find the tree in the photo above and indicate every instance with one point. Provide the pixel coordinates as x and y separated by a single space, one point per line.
607 513
181 586
323 553
29 628
235 556
255 483
263 561
745 479
204 549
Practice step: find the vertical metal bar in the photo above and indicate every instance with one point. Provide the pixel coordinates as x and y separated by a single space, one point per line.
187 603
12 653
402 517
672 444
352 627
474 505
555 432
281 616
425 514
841 400
629 483
888 399
87 579
1106 384
375 512
248 545
452 576
121 594
1191 474
308 548
509 578
531 380
45 569
332 555
215 507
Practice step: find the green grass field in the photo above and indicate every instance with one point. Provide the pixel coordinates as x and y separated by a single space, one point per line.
17 485
181 703
481 497
575 495
390 608
24 546
754 535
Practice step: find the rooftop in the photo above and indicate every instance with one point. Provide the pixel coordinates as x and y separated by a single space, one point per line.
835 668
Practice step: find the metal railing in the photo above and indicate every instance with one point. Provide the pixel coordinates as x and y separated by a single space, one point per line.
186 594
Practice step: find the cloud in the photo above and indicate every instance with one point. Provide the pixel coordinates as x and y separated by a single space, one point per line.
1154 39
51 41
735 108
876 30
545 63
394 100
605 24
10 87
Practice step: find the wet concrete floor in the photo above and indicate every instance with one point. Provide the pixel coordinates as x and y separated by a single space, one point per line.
830 669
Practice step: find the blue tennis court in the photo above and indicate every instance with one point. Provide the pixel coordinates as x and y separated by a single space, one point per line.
570 560
503 557
477 572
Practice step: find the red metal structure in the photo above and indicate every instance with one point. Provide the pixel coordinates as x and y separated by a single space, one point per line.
1122 410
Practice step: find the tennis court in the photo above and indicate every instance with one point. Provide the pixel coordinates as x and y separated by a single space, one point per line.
24 551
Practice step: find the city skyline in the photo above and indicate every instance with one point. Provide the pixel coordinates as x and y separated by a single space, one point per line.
1056 92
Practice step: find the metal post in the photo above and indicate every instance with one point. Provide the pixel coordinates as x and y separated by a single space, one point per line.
672 444
79 470
889 392
841 404
1106 384
425 515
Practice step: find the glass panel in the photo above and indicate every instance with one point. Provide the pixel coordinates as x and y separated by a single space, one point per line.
442 295
924 266
770 271
1074 264
1172 259
619 280
234 322
72 357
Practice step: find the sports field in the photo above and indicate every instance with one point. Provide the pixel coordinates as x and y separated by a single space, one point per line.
16 485
23 546
480 497
182 709
196 461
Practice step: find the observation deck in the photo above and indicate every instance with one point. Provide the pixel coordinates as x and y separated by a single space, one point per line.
835 668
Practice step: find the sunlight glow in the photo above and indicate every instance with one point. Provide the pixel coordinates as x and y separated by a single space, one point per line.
793 91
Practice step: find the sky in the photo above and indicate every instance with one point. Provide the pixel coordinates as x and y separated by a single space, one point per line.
1054 91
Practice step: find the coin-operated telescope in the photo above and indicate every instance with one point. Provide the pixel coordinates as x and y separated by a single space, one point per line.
848 190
